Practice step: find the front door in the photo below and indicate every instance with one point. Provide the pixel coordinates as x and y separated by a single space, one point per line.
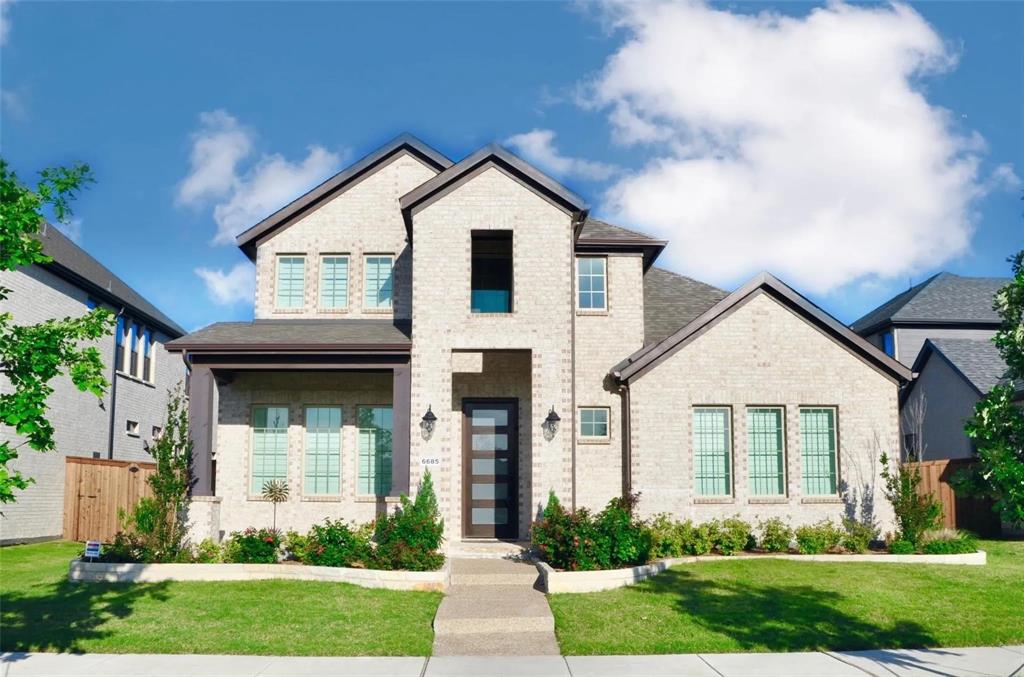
490 465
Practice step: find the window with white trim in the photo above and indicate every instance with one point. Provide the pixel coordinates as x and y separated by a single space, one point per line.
712 451
334 282
375 429
818 447
269 446
766 451
291 281
322 468
148 356
594 422
377 281
591 281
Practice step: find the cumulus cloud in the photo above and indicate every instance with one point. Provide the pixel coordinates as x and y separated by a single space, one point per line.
236 285
538 146
5 21
241 195
803 145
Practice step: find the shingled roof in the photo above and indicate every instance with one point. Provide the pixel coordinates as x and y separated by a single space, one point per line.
977 360
600 236
344 334
941 299
73 263
671 301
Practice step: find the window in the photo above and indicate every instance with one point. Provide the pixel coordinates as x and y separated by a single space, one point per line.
889 344
712 449
135 345
377 278
132 428
291 281
157 432
334 282
375 424
491 275
818 442
594 422
91 303
766 451
323 451
148 356
269 446
591 279
123 330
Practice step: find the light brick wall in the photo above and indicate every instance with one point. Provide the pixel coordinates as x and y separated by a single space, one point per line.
365 219
761 354
602 340
540 323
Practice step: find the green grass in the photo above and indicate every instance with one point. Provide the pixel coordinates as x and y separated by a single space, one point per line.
41 611
776 605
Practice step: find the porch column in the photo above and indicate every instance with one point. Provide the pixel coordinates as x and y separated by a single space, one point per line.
202 398
401 404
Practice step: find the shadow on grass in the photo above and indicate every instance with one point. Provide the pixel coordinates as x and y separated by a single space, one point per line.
780 617
60 616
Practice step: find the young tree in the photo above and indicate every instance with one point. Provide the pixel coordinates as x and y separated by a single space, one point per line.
172 453
33 355
998 424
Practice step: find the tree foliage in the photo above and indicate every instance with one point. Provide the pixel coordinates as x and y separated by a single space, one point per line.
31 356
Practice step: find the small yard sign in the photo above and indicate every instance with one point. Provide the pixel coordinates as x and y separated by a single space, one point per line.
92 549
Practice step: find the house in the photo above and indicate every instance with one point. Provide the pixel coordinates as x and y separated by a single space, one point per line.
943 328
469 318
130 413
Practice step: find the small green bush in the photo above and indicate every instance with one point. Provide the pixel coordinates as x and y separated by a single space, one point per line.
814 539
666 536
628 538
699 539
916 513
410 538
948 542
858 536
776 535
207 552
253 546
581 541
902 547
331 544
733 535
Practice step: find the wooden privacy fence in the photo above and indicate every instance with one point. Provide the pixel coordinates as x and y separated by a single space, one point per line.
958 512
95 489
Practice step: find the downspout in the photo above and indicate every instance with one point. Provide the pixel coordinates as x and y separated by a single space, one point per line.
627 441
113 394
572 357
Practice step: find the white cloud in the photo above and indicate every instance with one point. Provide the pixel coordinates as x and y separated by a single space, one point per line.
72 228
538 147
241 196
800 145
236 285
13 104
5 21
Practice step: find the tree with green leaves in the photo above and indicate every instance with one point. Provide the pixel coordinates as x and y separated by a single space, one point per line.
998 424
31 356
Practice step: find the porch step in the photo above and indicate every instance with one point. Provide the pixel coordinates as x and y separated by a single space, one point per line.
488 549
470 610
497 644
476 572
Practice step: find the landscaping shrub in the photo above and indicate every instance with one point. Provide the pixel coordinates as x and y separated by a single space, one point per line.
331 544
666 536
858 536
207 552
814 539
253 546
902 547
628 539
733 535
410 538
579 541
948 542
776 535
915 514
698 539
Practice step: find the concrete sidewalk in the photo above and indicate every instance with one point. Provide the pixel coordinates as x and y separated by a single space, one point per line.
977 662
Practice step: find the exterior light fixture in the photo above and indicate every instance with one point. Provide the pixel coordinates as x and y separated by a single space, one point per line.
550 424
427 423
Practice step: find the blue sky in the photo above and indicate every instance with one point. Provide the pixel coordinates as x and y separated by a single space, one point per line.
755 158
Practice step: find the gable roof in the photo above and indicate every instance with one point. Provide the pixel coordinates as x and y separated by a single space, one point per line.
336 184
672 301
74 264
941 299
650 356
977 361
488 156
601 236
278 335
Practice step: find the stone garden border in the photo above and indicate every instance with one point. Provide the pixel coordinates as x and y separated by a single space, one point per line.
82 571
609 579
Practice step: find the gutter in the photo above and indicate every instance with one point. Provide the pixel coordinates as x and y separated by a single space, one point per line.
627 441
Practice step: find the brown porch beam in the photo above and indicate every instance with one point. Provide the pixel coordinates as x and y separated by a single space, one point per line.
202 399
401 404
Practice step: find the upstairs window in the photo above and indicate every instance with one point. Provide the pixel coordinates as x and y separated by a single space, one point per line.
377 282
148 356
591 279
291 281
889 344
136 349
122 338
491 277
334 282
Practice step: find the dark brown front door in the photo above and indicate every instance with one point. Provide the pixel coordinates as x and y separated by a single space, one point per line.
490 465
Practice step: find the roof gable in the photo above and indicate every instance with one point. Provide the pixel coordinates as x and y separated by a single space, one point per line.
601 236
337 184
977 362
650 356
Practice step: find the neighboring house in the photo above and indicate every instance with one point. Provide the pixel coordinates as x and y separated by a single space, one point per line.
469 318
141 372
942 328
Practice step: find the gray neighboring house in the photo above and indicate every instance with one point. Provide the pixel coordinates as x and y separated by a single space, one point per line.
141 372
942 328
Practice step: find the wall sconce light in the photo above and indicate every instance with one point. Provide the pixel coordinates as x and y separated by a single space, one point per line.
550 424
427 423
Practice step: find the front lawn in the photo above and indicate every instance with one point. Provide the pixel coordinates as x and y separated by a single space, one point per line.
41 611
777 605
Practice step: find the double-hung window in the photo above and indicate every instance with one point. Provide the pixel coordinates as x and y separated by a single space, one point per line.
818 450
766 451
712 451
592 279
594 423
269 446
136 347
291 281
334 282
377 281
148 355
323 451
375 426
123 333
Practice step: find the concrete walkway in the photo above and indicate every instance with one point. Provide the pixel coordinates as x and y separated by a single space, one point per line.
987 662
493 608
